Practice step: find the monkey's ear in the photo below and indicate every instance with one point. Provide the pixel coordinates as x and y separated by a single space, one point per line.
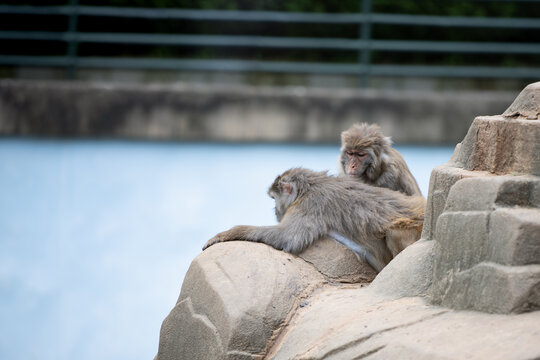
287 188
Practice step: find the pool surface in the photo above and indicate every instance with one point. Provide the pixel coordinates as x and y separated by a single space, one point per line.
96 236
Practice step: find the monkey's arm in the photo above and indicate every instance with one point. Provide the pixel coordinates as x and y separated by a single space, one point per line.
287 237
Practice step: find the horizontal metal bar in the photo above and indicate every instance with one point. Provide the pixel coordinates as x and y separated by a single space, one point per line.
21 60
168 13
455 46
274 16
455 21
455 71
229 15
279 42
37 35
193 40
276 67
37 10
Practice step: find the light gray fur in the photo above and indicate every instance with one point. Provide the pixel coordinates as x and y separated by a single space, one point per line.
310 205
360 251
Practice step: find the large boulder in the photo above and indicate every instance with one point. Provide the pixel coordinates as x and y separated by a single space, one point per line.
236 297
480 251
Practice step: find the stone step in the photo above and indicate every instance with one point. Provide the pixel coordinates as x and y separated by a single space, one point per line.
487 193
514 236
495 288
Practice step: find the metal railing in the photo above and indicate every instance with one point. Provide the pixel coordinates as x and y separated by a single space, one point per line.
364 44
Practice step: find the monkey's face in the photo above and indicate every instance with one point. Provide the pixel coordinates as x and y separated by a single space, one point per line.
355 162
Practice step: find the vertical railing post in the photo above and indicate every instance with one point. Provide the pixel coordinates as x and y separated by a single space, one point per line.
73 43
365 35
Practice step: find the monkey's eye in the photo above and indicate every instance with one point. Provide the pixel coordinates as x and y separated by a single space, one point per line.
356 153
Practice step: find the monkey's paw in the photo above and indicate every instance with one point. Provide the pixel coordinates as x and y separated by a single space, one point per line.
216 239
236 233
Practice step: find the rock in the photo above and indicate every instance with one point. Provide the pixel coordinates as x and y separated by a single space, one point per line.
527 104
236 295
483 212
500 289
514 236
336 262
501 145
486 193
487 219
442 179
408 274
356 324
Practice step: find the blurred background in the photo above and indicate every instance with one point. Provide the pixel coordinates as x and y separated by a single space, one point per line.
488 45
133 131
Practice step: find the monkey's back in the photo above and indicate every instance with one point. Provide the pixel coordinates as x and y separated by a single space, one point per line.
357 209
398 177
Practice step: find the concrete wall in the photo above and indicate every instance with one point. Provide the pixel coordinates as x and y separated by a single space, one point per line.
236 113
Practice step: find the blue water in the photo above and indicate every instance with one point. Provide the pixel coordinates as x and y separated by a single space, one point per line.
96 236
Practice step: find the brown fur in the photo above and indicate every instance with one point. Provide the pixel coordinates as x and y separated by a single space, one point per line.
367 155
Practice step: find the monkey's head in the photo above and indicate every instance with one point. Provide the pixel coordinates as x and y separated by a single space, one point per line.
289 186
363 148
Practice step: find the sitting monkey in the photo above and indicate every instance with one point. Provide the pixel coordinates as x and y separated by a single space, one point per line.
367 155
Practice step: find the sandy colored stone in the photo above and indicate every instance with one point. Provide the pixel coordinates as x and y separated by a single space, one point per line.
501 145
337 262
494 288
443 177
514 236
527 103
485 193
234 296
408 274
346 324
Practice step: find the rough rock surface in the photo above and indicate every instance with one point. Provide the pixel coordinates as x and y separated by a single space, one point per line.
408 274
358 324
237 295
480 251
335 262
527 104
484 206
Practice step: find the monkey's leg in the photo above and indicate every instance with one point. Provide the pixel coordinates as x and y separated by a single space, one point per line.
399 239
359 250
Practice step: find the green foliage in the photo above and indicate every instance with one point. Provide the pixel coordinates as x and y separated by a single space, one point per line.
349 31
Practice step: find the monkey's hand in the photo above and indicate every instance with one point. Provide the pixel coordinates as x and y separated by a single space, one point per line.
218 238
236 233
